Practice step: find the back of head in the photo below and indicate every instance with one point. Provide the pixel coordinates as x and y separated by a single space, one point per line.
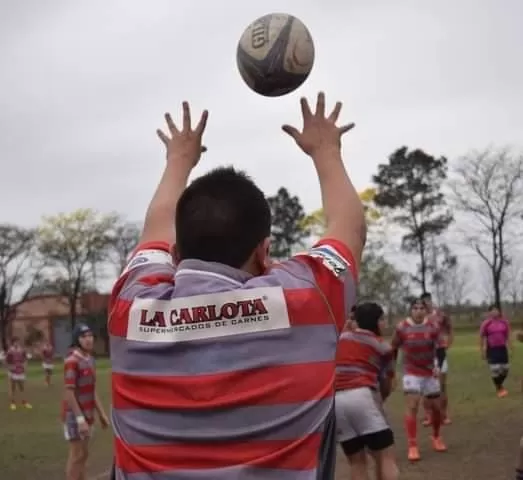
368 316
221 217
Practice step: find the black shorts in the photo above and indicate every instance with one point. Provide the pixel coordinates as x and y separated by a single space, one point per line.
373 441
497 355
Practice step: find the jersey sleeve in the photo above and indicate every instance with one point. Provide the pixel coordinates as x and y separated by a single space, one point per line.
334 270
70 372
150 266
9 358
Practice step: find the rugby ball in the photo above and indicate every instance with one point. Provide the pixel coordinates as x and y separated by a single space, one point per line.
275 54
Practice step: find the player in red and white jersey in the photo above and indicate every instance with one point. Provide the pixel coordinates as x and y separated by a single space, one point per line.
47 355
439 317
223 365
364 374
16 359
419 339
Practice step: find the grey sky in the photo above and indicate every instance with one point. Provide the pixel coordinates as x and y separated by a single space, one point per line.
83 86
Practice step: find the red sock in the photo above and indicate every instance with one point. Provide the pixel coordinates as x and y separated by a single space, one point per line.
411 428
436 421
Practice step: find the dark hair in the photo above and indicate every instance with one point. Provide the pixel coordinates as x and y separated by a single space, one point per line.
367 316
426 296
493 307
417 301
221 217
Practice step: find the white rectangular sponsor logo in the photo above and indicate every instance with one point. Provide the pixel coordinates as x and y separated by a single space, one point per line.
145 257
208 316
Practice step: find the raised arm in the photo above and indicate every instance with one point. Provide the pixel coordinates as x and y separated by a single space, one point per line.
321 140
183 150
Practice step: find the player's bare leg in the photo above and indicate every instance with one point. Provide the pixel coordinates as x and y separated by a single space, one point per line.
437 422
386 465
11 392
21 389
77 460
426 413
411 428
519 469
444 399
48 372
359 469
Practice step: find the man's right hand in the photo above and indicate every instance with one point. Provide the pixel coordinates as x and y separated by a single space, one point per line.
319 133
83 429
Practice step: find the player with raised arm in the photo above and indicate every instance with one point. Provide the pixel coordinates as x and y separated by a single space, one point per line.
439 317
364 374
16 361
212 347
80 401
495 343
419 339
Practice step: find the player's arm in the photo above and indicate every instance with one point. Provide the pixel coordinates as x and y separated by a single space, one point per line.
342 207
183 150
388 375
483 338
70 380
395 344
450 330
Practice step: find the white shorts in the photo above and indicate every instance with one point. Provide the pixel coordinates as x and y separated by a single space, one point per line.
358 412
498 368
17 377
47 366
426 386
71 432
444 367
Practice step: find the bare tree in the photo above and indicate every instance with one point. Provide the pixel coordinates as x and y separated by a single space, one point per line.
19 270
488 186
124 240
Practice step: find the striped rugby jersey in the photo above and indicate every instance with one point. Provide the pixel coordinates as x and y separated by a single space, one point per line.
440 318
362 359
418 343
80 375
15 360
220 375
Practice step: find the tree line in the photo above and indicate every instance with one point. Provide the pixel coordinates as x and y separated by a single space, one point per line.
414 198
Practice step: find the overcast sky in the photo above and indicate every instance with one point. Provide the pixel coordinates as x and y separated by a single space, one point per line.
84 85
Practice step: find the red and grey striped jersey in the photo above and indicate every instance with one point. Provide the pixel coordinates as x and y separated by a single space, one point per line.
363 359
418 342
440 318
47 354
15 360
219 374
80 375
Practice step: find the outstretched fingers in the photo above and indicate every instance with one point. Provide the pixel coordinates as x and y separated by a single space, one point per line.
200 128
333 117
345 128
320 105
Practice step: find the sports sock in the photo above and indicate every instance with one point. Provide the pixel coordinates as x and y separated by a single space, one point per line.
497 382
411 427
502 377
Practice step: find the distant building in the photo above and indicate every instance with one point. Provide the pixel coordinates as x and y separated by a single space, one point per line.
49 315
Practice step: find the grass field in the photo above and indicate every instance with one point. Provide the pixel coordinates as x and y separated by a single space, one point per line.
483 439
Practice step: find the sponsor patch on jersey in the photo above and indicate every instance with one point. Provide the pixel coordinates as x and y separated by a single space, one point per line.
149 256
208 316
330 259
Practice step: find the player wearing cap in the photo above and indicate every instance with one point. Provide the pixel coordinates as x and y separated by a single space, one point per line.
364 374
223 366
419 339
16 360
80 401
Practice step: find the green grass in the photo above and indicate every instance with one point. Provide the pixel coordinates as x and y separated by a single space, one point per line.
32 445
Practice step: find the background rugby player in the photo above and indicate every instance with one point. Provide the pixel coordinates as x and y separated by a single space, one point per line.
212 358
439 317
418 338
364 373
16 361
495 342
